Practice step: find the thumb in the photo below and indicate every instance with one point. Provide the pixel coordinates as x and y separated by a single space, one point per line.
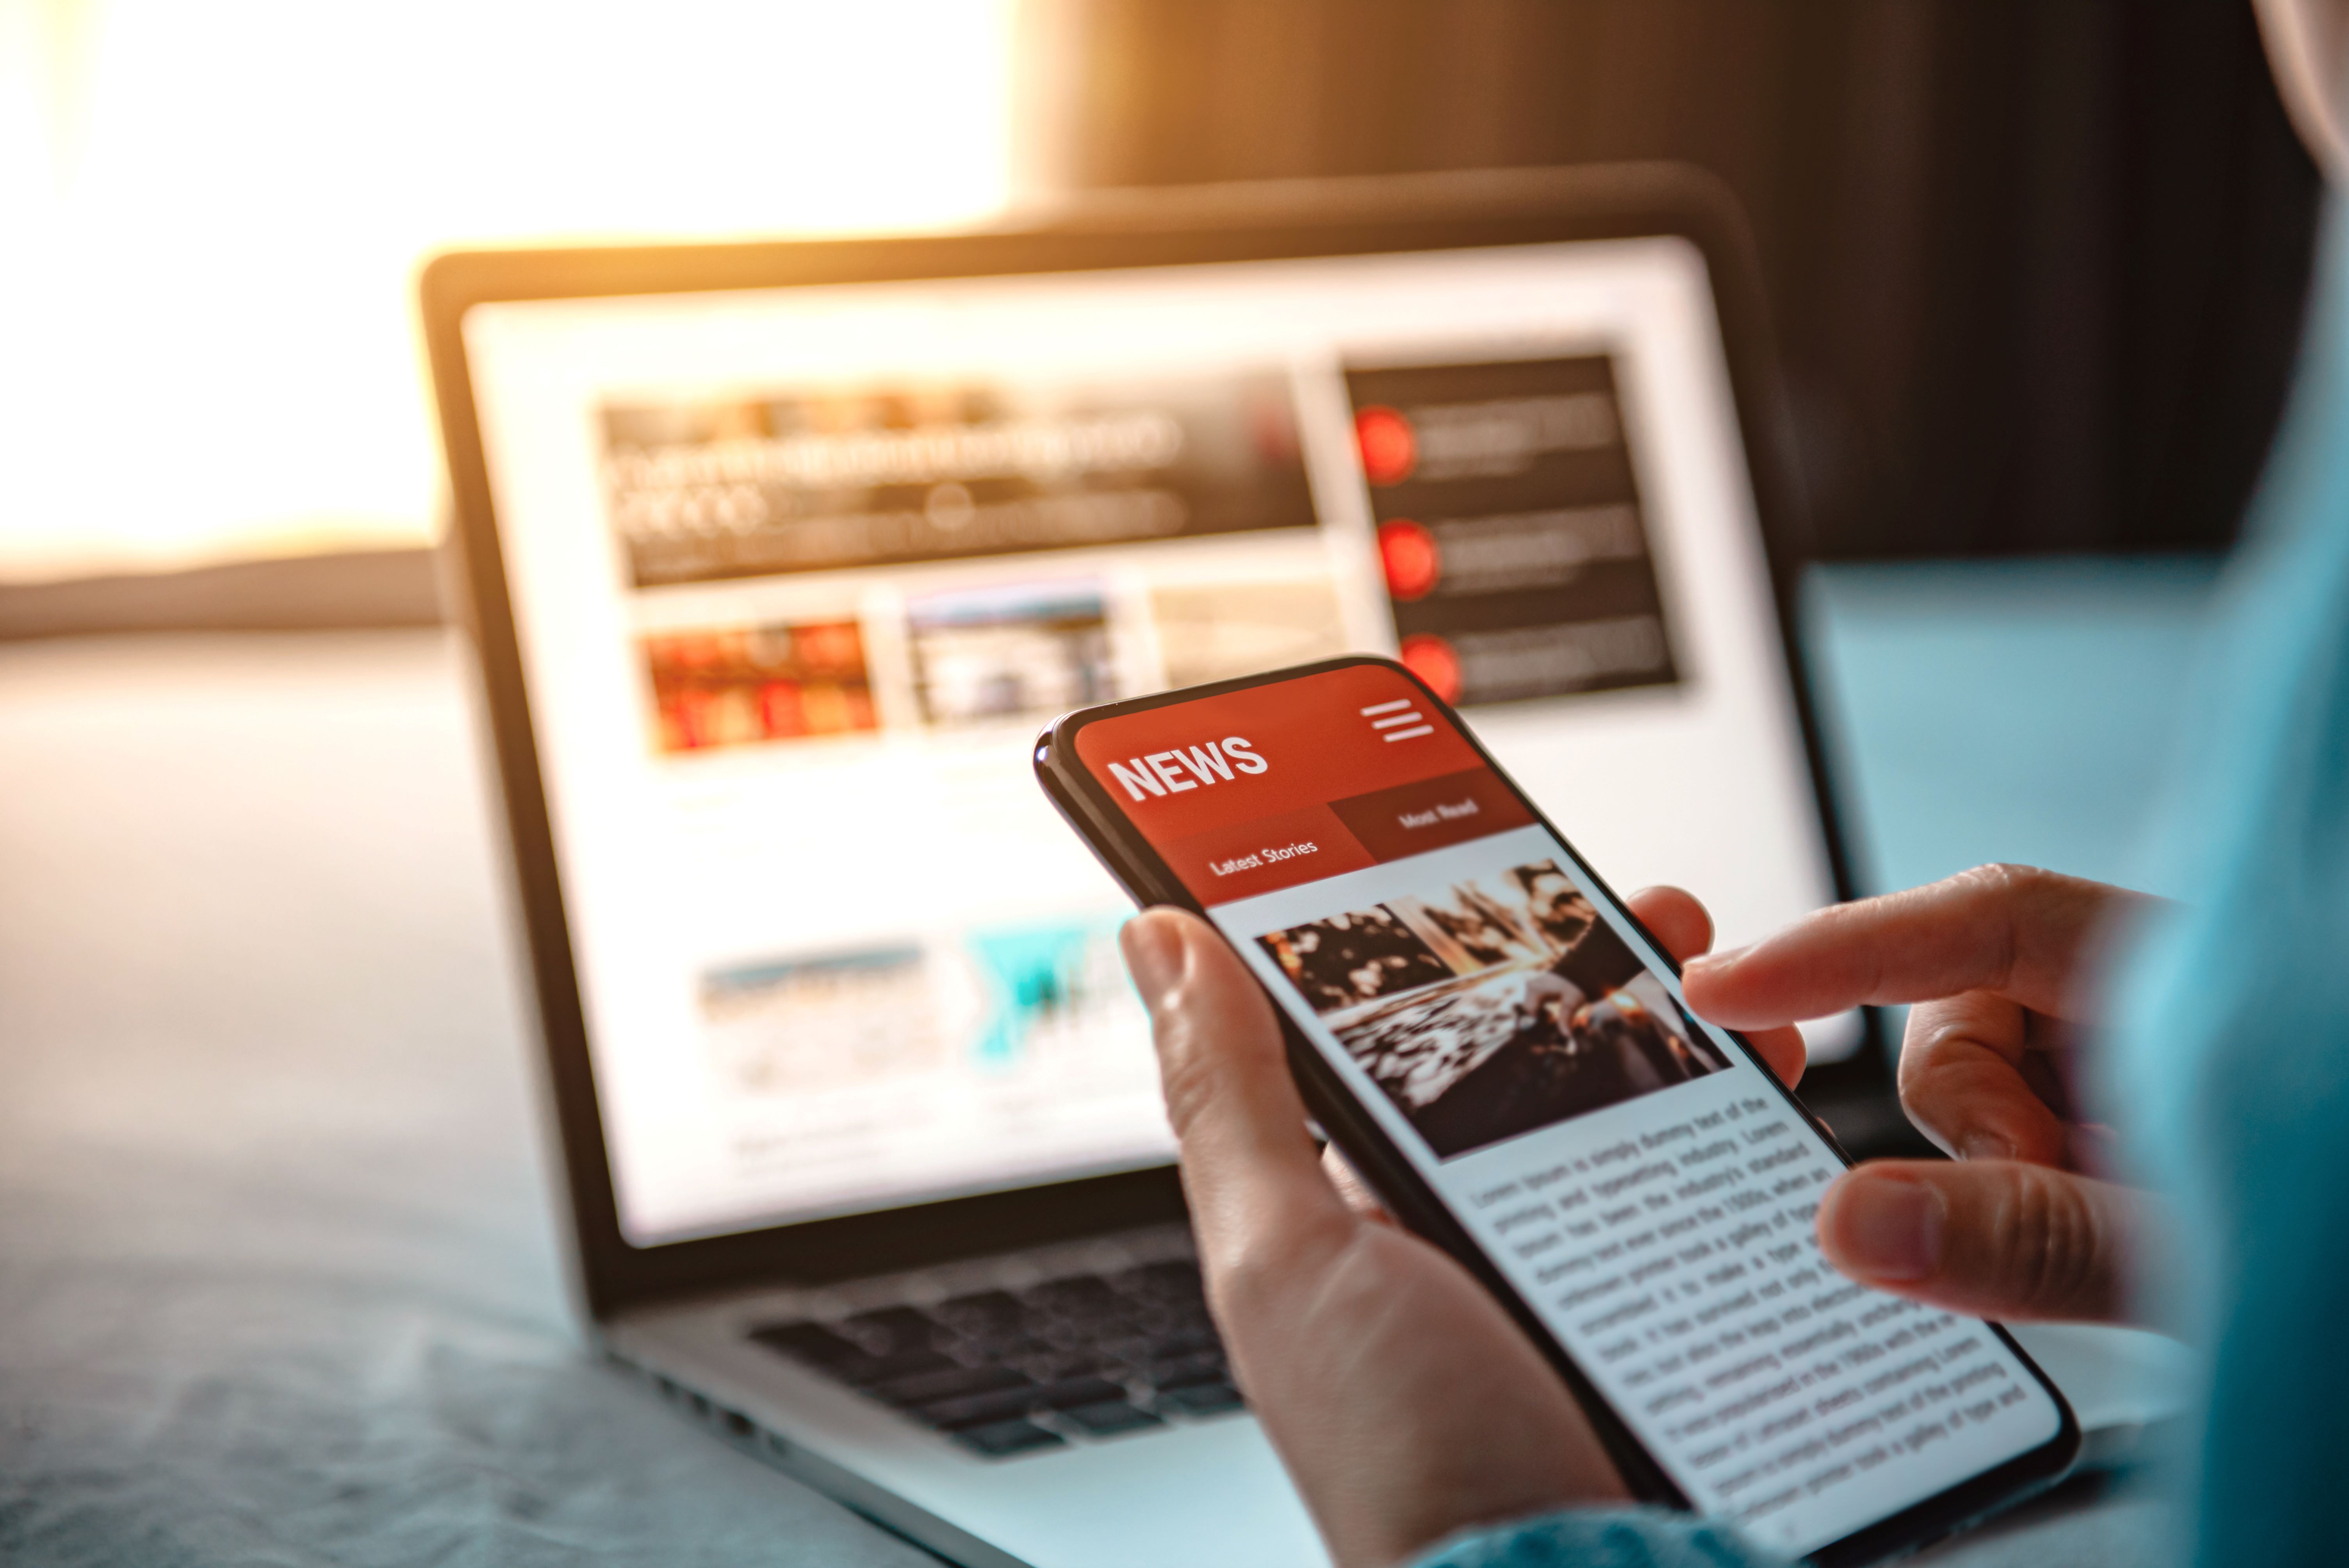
1990 1238
1251 1168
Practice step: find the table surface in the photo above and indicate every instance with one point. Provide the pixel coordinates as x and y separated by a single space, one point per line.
277 1276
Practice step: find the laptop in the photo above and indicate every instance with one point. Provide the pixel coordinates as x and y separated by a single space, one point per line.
777 556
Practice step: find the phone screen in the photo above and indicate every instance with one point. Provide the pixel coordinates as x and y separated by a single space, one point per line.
1636 1175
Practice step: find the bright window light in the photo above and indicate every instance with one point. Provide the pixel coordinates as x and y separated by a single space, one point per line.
212 214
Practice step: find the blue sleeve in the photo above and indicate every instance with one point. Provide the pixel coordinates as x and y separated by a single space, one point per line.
2228 1065
1604 1538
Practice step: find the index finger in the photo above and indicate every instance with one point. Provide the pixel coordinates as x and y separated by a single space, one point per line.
2013 930
1674 917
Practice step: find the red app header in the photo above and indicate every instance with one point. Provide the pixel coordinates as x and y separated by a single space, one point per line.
1278 785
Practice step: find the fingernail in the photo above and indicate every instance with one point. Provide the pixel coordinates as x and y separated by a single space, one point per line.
1889 1227
1153 956
1984 1146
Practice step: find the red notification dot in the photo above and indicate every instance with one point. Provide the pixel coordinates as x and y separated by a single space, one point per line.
1432 660
1412 561
1389 451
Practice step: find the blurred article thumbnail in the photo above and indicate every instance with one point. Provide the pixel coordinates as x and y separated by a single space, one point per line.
791 1026
743 686
818 481
995 655
1215 631
1034 995
1494 1006
1050 990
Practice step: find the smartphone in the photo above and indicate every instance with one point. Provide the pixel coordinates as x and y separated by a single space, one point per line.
1501 1048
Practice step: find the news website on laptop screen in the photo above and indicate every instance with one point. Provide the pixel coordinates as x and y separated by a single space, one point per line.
798 574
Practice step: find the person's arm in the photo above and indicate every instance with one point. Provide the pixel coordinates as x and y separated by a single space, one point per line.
1604 1538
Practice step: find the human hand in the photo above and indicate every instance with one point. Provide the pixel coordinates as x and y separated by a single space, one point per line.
1994 961
1404 1401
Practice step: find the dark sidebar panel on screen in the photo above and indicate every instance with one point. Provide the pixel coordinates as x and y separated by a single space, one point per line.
1509 523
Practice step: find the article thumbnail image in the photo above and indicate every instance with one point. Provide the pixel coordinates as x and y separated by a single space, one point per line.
1036 996
1215 631
792 1025
742 686
1024 652
1493 1007
819 479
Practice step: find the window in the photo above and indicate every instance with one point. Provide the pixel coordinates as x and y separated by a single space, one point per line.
214 214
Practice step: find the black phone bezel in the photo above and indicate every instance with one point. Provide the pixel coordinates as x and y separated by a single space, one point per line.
1097 818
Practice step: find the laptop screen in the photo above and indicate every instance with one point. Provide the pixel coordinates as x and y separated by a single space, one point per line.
799 573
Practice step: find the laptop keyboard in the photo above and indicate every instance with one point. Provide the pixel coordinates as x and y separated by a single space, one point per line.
1002 1372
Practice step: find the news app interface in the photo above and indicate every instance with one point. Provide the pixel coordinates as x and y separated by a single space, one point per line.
1632 1173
